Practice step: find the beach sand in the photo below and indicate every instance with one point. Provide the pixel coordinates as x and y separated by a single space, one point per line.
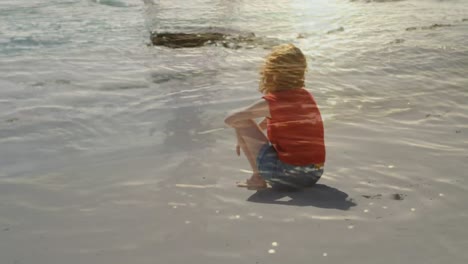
160 205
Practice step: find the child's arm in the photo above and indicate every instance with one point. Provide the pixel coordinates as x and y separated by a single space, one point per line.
256 110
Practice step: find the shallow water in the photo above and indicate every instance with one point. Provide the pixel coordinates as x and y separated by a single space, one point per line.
94 124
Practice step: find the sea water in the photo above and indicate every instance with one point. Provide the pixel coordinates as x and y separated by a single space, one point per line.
79 76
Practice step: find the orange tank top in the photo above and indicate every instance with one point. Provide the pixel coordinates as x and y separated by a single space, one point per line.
295 128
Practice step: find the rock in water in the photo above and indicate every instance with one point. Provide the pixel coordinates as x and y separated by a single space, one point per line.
411 28
185 40
199 39
340 29
434 26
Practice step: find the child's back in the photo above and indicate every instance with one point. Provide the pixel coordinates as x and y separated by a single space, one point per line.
295 128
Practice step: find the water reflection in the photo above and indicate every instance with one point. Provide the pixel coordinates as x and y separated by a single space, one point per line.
182 131
188 107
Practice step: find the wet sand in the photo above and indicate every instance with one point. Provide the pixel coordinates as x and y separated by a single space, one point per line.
172 205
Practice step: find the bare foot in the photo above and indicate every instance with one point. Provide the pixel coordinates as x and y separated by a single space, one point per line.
254 183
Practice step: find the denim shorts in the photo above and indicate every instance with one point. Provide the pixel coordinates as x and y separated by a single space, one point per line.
285 176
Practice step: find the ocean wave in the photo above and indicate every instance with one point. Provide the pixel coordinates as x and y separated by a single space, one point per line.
34 41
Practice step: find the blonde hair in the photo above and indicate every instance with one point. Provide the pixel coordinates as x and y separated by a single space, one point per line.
284 69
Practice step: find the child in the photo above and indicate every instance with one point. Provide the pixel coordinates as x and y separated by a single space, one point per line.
292 155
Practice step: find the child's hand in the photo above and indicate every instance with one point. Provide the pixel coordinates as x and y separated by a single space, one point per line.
238 149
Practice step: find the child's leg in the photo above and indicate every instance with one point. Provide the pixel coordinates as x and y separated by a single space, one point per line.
251 140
